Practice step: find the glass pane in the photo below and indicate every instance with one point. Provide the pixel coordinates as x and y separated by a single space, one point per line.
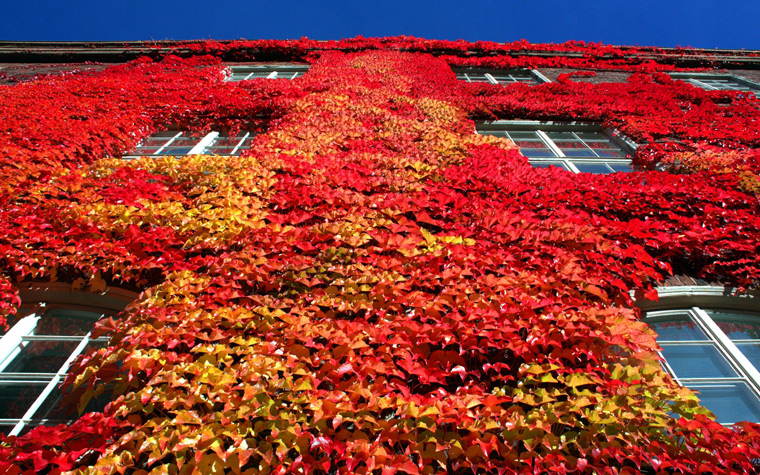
752 352
525 135
41 356
598 144
186 140
610 153
593 136
155 141
176 151
17 398
561 135
737 325
599 168
577 150
146 149
534 150
730 402
476 77
620 167
60 322
226 145
677 328
504 79
95 345
697 361
6 429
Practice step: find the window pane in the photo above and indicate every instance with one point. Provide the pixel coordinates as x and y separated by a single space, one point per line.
561 135
610 153
174 151
678 328
504 78
226 145
599 168
41 356
532 149
730 402
697 361
620 167
156 141
737 325
60 322
751 351
590 136
576 151
6 429
525 135
17 398
473 77
95 345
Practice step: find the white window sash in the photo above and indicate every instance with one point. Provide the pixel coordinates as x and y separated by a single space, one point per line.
200 147
10 344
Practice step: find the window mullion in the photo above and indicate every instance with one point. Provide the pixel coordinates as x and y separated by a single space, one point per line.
200 147
10 343
702 84
723 341
550 143
167 143
240 143
586 145
491 78
571 166
540 76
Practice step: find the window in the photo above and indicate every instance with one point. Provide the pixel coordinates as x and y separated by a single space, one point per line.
287 71
713 82
572 146
711 344
36 352
507 76
180 143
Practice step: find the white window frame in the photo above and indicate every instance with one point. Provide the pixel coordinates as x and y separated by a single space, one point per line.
535 75
273 71
569 163
37 302
695 300
200 148
698 80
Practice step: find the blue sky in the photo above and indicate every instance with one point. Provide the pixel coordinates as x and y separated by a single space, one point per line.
701 23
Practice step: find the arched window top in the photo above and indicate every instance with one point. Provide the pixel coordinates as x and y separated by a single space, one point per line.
710 339
53 328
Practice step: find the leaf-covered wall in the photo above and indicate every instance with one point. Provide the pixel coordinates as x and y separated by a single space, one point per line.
373 287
